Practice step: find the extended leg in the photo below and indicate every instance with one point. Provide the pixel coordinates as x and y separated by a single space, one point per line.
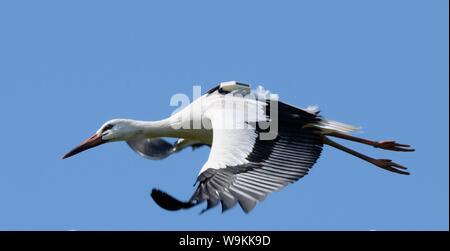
384 144
386 164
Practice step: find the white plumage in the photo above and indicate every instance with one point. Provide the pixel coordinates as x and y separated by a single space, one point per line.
258 144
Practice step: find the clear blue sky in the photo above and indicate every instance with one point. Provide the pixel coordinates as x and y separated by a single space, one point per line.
65 68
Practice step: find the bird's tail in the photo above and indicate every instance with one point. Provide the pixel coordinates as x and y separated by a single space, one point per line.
327 126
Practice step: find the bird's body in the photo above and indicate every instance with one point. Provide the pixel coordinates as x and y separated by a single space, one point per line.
258 144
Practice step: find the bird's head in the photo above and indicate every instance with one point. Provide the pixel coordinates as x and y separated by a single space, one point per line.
111 131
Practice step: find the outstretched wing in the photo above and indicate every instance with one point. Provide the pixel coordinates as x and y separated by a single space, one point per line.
152 148
242 168
158 148
181 144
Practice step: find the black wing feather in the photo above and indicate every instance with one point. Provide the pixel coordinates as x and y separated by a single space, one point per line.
272 165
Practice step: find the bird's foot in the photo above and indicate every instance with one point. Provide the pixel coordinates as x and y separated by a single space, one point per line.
393 146
387 164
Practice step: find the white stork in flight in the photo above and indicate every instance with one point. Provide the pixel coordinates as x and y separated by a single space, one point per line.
258 144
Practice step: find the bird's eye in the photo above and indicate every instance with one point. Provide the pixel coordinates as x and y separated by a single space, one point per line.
107 127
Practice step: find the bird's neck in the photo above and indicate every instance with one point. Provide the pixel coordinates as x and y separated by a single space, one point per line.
159 128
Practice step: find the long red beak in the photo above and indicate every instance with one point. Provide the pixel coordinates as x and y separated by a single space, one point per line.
93 141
